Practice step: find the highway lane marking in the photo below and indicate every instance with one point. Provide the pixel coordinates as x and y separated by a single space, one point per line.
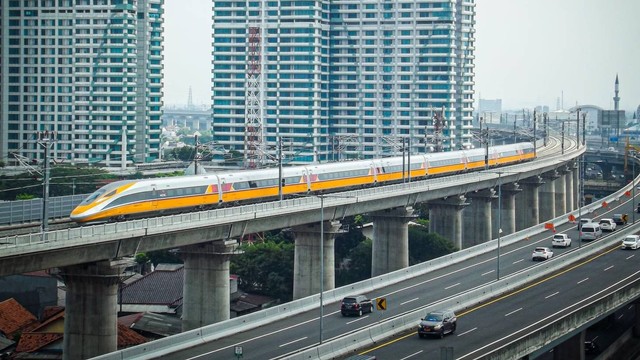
588 300
468 331
358 319
620 317
332 313
630 256
513 312
609 268
517 261
454 285
256 337
408 301
530 286
294 341
412 355
581 281
487 273
498 299
554 294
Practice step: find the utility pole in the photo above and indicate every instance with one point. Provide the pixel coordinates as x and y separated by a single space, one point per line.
47 140
535 142
281 180
196 158
562 147
546 128
584 128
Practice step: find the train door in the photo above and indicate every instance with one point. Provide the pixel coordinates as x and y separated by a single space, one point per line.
154 196
307 173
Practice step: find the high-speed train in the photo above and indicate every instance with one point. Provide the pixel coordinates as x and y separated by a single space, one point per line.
129 199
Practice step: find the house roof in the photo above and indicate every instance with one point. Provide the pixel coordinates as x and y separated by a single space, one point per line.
14 317
158 287
128 337
34 340
152 323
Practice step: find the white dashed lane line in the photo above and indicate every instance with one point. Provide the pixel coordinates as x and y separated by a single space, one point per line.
294 341
468 331
513 312
554 294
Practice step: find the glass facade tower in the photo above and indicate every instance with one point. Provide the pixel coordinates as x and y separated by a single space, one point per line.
346 79
91 70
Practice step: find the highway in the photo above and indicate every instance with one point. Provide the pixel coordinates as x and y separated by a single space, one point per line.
476 328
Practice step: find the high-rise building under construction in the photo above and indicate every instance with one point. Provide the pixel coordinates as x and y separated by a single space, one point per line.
341 79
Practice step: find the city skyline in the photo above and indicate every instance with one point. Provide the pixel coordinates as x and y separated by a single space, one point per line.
587 27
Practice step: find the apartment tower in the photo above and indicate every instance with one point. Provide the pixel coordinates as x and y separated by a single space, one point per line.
88 70
342 79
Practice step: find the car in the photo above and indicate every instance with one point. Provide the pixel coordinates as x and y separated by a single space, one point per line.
561 240
631 242
541 253
438 323
583 221
607 224
355 305
620 219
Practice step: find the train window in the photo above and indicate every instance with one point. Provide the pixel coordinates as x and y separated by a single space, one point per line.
111 193
252 184
93 196
241 185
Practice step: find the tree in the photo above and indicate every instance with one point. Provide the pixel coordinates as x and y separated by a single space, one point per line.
424 245
266 268
359 267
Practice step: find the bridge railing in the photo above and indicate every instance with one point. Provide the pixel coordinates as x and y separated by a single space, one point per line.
166 224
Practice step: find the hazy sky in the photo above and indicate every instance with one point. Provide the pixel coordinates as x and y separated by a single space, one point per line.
528 52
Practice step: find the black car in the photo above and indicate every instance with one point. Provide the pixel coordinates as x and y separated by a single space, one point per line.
438 323
355 305
620 219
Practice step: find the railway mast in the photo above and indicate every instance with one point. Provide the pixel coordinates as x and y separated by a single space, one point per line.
254 145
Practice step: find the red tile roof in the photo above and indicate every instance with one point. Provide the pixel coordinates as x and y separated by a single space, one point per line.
128 337
32 341
14 317
49 311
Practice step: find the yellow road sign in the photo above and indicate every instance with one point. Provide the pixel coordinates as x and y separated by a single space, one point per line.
381 303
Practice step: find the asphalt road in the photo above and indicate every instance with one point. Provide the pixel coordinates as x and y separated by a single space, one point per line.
477 329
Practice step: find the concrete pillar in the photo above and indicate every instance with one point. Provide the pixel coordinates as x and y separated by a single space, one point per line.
477 218
507 208
90 319
569 188
445 218
390 239
527 203
572 348
206 298
547 195
560 196
308 265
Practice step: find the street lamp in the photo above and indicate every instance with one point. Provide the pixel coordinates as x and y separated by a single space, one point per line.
499 221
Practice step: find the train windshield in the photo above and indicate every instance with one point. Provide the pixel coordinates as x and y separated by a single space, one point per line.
109 189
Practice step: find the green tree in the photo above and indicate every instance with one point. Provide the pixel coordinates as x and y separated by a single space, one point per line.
359 266
266 268
424 245
23 196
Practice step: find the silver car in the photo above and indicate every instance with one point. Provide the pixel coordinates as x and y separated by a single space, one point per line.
438 323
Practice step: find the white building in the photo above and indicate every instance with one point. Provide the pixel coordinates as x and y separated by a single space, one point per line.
91 70
343 79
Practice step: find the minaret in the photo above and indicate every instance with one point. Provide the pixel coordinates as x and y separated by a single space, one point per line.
616 99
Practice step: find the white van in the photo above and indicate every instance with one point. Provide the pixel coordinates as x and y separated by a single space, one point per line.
591 231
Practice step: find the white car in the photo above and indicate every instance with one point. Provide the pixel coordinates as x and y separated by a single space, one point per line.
607 224
561 240
541 253
631 242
